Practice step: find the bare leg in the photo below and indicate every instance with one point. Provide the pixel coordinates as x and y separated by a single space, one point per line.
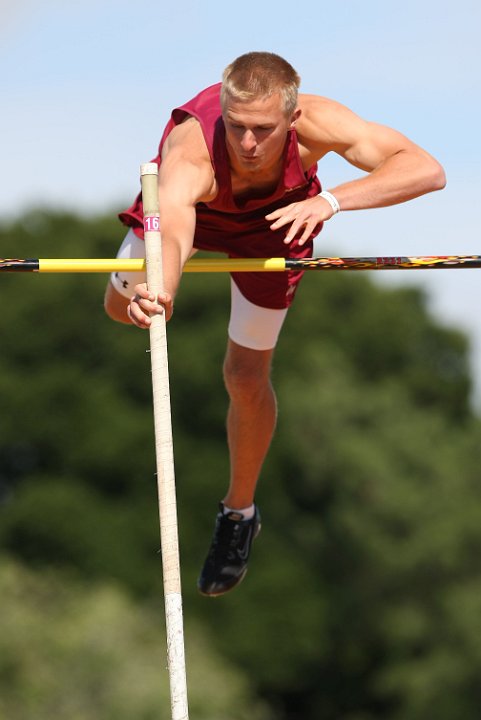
251 419
116 305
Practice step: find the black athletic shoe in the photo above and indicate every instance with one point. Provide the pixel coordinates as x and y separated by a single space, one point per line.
226 563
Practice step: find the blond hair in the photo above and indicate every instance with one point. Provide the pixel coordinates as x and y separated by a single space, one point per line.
260 74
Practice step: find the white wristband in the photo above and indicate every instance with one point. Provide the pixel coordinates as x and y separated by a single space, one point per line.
331 200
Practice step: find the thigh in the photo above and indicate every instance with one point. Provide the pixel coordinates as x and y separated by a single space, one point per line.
252 326
124 282
132 247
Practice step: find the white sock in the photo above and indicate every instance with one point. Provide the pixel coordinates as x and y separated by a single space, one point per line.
247 513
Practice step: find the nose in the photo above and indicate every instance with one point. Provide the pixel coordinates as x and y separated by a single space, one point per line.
248 141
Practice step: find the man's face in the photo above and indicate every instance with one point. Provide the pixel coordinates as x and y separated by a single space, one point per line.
256 132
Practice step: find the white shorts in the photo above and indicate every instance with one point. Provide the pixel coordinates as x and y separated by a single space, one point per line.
250 325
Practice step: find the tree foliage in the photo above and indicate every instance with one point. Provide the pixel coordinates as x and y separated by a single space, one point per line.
362 597
87 652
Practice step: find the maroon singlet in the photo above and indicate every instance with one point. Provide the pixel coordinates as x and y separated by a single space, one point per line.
239 227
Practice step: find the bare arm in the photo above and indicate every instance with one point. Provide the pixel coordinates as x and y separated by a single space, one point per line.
397 169
186 177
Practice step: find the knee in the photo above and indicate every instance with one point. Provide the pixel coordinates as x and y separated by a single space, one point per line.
246 382
115 305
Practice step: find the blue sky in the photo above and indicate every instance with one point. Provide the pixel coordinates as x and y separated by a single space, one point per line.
86 89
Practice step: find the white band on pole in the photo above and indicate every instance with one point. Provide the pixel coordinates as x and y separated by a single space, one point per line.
164 451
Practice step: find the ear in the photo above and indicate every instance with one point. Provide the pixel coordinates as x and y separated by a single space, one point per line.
295 116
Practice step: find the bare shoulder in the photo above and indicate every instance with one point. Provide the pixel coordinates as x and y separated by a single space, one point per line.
188 138
326 124
186 159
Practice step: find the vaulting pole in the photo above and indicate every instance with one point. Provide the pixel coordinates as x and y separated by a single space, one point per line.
164 452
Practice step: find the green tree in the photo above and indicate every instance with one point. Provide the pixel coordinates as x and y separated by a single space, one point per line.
361 600
86 652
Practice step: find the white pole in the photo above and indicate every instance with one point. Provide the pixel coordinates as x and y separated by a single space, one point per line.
164 452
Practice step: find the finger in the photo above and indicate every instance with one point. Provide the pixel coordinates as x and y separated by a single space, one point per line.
140 309
142 291
308 230
138 318
286 211
151 303
284 220
294 230
164 297
140 305
275 214
151 308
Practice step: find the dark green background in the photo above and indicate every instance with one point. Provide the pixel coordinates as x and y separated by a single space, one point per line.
363 597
